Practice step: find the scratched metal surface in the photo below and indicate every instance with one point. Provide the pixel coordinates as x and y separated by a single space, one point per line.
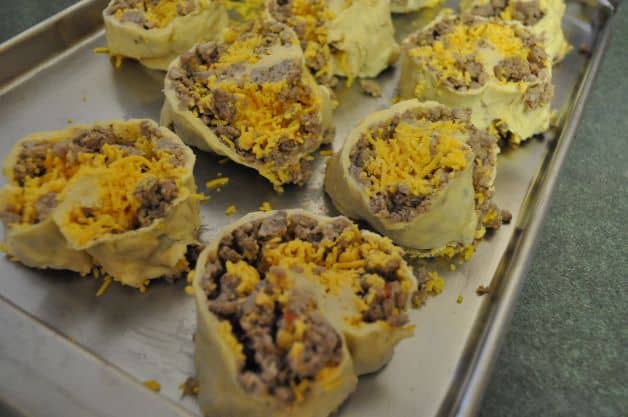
149 336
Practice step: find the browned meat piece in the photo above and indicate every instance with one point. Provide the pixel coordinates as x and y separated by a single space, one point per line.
527 12
30 162
223 105
274 226
513 69
155 197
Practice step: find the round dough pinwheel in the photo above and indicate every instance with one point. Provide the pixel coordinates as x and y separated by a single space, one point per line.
156 32
542 17
291 307
405 6
498 69
117 196
250 98
419 173
350 38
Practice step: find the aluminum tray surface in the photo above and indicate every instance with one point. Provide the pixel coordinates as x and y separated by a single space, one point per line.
133 337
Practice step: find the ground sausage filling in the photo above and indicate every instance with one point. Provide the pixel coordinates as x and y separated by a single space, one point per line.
150 14
284 341
463 51
527 12
267 114
136 167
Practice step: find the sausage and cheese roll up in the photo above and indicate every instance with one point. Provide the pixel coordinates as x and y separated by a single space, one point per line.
498 69
250 286
119 196
419 173
264 346
156 31
350 38
542 17
250 98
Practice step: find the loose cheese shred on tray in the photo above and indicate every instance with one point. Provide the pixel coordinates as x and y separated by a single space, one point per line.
217 182
265 206
152 385
104 287
326 152
231 210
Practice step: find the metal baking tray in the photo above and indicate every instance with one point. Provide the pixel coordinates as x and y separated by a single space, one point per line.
65 352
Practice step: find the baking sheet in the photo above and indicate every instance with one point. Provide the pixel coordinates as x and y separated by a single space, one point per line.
440 371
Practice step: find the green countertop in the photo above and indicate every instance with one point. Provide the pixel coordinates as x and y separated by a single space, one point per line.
566 353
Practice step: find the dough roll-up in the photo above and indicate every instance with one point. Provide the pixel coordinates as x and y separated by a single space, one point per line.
292 307
250 97
117 195
498 69
419 173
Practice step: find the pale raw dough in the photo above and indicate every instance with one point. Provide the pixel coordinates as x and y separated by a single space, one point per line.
362 35
405 6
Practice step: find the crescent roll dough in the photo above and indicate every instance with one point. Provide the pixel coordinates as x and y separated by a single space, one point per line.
155 32
250 98
498 69
542 17
405 6
350 38
419 173
115 195
291 308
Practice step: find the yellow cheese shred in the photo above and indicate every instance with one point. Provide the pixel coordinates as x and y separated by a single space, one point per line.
216 183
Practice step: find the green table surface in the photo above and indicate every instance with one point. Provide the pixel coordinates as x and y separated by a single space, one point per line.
566 353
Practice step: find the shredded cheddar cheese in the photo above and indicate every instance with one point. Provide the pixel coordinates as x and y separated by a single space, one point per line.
152 385
265 206
104 287
410 159
483 41
216 183
231 210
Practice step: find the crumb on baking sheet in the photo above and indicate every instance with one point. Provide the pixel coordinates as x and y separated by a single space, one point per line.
189 290
152 385
101 50
231 210
460 299
189 387
371 88
584 49
265 206
482 290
